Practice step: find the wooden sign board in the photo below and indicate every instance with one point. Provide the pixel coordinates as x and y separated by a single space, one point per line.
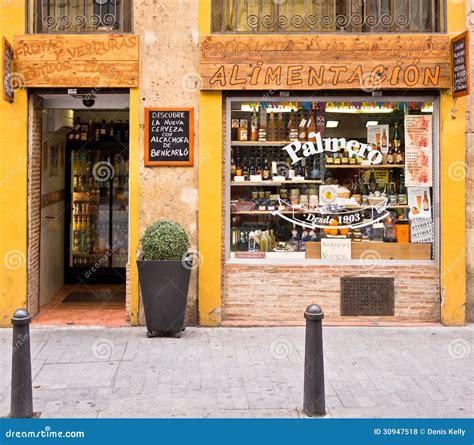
460 65
7 71
367 62
169 136
90 61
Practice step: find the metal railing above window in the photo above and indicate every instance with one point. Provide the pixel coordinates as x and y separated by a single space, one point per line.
308 16
78 16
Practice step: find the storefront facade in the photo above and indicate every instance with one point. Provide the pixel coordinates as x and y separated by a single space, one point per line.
249 290
273 71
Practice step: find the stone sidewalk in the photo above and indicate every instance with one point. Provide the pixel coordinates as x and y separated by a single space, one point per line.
245 372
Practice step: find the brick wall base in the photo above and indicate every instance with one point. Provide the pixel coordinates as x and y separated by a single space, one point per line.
262 295
35 116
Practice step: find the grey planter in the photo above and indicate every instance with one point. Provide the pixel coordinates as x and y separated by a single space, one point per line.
164 286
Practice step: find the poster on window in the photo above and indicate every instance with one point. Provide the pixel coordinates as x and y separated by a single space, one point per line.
421 230
419 202
377 136
418 151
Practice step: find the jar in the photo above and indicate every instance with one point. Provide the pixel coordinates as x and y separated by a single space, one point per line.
294 200
304 201
254 196
313 201
261 195
284 194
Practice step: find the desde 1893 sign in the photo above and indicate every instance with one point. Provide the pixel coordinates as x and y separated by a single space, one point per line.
368 62
169 136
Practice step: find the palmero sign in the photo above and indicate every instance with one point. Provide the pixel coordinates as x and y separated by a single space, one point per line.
95 61
369 62
332 145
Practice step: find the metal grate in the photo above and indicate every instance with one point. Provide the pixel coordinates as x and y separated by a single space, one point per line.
283 16
367 296
79 16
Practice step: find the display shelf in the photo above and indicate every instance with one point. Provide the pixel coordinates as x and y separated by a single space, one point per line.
299 212
258 143
273 183
374 166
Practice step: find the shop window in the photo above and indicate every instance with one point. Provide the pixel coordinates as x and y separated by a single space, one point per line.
331 179
79 16
268 16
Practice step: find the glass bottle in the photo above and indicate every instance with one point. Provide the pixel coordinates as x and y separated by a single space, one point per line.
254 126
266 170
271 128
392 197
311 131
251 243
302 134
365 194
125 131
390 155
103 131
281 131
402 191
262 128
272 240
315 169
372 182
356 193
426 204
292 127
238 168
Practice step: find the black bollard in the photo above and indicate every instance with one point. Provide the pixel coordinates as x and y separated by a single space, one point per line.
314 402
22 392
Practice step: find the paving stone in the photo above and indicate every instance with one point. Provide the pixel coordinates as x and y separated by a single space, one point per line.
244 372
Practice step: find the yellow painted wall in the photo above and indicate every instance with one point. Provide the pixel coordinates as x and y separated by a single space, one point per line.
453 190
134 181
210 194
13 177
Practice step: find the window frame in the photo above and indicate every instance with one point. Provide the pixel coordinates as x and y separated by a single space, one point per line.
320 262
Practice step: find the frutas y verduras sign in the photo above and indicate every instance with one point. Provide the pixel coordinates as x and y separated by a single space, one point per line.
251 62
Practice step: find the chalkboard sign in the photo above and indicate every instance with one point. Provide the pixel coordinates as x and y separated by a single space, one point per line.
7 57
460 65
169 136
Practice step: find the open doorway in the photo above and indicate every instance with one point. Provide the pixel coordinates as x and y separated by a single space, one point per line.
83 206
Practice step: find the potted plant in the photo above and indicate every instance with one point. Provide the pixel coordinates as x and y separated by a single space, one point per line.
164 271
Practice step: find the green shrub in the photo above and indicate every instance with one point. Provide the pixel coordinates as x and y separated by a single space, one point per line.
164 240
